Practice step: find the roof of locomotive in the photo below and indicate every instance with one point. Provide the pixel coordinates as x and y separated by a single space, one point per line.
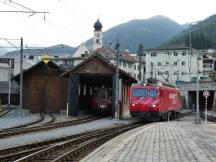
154 86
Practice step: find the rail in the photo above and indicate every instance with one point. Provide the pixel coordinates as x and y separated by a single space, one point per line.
18 131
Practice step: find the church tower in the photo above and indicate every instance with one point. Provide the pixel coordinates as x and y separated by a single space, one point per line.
97 40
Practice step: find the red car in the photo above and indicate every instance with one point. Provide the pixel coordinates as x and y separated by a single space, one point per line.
154 102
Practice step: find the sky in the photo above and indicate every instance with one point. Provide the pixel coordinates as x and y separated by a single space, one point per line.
71 22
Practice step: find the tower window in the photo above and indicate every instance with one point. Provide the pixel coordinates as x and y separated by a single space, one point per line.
97 40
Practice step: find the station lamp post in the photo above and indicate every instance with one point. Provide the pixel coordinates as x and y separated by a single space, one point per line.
197 120
117 82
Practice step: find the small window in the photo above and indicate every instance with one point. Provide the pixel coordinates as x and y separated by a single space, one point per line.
167 63
153 92
140 92
175 53
175 63
134 67
159 63
184 73
183 53
175 73
153 54
183 63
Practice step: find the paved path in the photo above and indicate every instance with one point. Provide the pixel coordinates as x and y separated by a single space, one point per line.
176 141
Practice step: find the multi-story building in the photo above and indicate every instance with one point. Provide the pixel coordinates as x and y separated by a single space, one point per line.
171 65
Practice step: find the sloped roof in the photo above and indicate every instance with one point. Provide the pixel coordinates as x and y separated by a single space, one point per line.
111 54
122 73
50 64
82 49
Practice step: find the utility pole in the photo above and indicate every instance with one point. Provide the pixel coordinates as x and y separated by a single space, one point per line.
190 48
117 81
151 72
178 79
21 76
197 93
140 53
9 83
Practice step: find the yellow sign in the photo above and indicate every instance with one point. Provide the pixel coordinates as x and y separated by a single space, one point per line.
46 59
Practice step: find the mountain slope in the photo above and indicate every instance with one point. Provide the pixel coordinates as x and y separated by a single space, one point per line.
203 34
151 32
57 50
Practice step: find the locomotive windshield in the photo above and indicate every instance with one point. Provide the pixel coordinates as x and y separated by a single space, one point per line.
140 92
153 92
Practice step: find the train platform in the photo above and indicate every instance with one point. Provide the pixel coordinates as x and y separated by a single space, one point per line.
173 141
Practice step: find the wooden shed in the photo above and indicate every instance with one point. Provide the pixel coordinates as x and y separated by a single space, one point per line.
43 89
96 71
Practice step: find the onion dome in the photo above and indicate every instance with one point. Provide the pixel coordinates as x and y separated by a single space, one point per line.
97 25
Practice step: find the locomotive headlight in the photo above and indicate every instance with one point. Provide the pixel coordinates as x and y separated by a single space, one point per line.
152 106
133 104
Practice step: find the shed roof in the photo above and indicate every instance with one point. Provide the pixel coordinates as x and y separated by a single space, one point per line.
50 64
122 73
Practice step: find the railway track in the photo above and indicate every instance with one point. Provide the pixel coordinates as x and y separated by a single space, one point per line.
5 133
4 112
75 146
40 119
209 117
72 147
52 119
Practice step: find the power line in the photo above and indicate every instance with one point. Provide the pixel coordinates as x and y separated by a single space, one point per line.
20 8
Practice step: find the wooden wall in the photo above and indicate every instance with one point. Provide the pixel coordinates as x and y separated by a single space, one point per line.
44 90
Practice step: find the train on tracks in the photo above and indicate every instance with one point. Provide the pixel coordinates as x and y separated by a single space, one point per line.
154 101
101 101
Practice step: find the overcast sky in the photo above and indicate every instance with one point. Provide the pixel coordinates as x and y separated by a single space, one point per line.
71 21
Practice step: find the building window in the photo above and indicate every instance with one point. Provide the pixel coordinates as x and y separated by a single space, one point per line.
97 40
183 73
159 73
207 65
175 53
134 67
183 63
166 72
167 63
124 64
175 73
130 65
159 63
153 54
175 63
183 53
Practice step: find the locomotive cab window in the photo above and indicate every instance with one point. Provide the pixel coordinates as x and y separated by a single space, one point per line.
140 92
153 92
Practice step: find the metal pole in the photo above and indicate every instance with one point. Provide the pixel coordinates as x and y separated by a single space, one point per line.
197 94
190 46
117 82
21 77
206 109
140 53
151 73
9 83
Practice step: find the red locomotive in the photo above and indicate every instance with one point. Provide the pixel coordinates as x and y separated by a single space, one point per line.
101 100
154 102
